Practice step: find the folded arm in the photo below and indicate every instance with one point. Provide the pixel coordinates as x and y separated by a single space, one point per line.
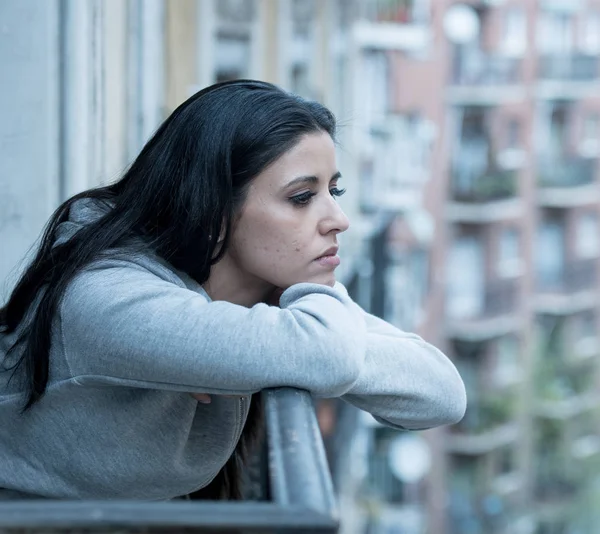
122 324
405 382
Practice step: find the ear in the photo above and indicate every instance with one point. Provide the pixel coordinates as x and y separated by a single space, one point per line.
222 233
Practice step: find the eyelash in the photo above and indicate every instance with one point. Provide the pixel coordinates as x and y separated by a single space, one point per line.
304 198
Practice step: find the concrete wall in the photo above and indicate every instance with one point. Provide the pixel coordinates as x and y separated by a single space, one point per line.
29 129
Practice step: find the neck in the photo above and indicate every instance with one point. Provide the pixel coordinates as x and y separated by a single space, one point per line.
227 283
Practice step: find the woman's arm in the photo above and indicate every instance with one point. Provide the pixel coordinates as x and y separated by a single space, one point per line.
125 325
405 382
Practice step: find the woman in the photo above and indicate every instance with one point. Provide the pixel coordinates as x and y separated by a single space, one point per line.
162 290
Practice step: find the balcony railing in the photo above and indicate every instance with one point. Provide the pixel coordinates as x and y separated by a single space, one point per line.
486 411
393 11
486 70
571 172
500 298
554 488
487 187
578 275
300 491
568 68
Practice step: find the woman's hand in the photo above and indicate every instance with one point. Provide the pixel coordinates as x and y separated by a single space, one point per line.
204 398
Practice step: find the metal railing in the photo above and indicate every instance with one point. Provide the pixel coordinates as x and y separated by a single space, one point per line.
300 491
486 411
489 186
394 11
578 275
566 172
571 67
501 297
485 70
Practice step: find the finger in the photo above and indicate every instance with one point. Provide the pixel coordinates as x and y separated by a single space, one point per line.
202 397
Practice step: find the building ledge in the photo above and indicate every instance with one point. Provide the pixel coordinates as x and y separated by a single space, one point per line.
392 35
566 408
585 447
566 303
566 89
484 442
568 197
484 212
484 328
485 95
555 508
508 484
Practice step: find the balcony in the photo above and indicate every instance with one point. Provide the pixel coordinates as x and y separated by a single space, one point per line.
572 291
392 25
568 68
487 425
498 314
562 6
484 78
491 196
563 391
567 182
567 75
555 487
299 490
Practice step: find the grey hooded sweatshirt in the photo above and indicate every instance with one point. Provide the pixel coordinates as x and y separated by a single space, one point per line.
134 337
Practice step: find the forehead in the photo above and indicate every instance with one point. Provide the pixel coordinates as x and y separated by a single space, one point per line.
313 155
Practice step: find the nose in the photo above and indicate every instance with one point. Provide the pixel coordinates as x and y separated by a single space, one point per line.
334 220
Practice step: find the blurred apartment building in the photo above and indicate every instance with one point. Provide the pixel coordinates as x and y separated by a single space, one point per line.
512 292
469 139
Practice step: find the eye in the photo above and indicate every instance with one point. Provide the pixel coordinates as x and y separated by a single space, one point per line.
335 192
302 199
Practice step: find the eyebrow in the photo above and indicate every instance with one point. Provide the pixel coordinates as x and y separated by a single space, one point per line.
310 180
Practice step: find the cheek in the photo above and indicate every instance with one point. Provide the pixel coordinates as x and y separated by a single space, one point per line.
275 245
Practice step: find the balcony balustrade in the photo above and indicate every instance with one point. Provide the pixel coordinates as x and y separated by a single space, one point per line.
577 275
486 411
393 11
490 186
566 172
483 69
568 68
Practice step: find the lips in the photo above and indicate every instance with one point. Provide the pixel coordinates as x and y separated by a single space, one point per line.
331 251
329 258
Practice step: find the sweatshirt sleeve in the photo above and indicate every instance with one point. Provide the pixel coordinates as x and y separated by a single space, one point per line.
406 383
121 324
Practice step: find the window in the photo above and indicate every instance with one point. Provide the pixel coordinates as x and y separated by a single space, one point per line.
465 291
591 128
507 359
506 460
407 281
232 57
587 245
509 257
550 254
514 38
513 134
233 43
555 33
590 36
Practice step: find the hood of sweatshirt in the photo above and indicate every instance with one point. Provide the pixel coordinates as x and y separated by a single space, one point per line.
82 212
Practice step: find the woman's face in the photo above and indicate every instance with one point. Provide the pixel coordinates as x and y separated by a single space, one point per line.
287 228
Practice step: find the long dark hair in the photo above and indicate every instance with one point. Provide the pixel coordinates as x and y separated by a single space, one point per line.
180 195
